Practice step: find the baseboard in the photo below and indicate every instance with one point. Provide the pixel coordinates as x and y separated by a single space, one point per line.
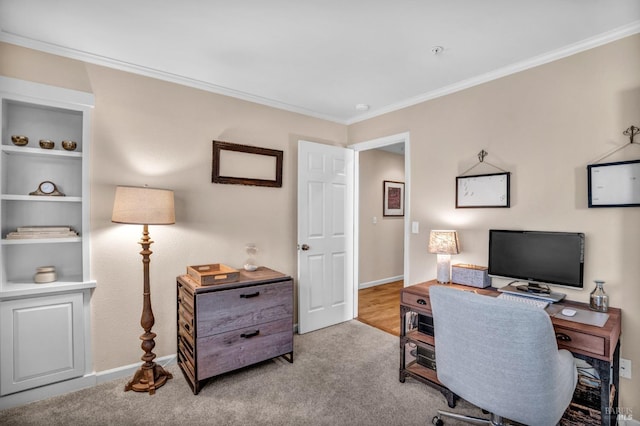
380 282
129 370
48 391
87 381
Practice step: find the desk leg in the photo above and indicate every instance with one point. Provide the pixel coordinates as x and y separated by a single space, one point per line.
610 385
403 333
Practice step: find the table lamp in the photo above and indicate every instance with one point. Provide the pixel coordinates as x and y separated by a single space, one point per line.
444 244
145 206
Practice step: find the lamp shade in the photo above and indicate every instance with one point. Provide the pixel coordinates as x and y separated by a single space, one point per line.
143 206
444 242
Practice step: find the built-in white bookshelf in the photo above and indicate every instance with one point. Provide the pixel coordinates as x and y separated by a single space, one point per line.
44 332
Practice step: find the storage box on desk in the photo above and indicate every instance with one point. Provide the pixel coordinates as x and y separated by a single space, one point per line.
214 273
473 275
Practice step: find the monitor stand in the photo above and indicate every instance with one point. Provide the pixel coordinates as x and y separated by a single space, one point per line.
533 291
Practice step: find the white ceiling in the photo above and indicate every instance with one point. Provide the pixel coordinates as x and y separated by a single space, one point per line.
319 57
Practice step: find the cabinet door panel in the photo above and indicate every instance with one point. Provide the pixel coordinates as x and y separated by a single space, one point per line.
42 341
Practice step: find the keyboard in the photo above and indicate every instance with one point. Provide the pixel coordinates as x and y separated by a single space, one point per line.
522 299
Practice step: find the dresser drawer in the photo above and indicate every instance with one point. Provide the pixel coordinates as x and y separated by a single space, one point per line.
415 300
580 342
227 310
228 351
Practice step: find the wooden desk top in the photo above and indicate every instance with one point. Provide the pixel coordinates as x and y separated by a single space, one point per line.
590 340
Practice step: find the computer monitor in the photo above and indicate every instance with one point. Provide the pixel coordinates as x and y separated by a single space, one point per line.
537 257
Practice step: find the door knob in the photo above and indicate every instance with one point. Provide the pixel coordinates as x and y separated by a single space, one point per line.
305 247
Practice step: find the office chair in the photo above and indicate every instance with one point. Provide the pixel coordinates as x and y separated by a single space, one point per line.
501 356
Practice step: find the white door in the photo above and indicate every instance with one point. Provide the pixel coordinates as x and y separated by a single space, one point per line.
325 235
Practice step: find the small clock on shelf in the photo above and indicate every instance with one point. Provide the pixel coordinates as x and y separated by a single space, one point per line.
47 188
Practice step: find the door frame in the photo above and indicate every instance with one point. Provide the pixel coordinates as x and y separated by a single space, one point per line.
364 146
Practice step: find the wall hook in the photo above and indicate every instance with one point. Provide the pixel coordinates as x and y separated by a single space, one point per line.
481 156
631 132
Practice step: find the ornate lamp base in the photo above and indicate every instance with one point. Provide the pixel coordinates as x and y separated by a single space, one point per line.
148 379
150 376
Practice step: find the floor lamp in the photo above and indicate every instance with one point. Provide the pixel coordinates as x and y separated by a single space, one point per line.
145 206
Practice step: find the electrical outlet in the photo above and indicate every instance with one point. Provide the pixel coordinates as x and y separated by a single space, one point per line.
625 368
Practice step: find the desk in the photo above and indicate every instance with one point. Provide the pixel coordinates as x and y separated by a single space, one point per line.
599 346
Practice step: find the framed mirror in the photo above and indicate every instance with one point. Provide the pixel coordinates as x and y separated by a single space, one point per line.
246 165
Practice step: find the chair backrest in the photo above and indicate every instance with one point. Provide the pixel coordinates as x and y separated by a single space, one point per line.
501 356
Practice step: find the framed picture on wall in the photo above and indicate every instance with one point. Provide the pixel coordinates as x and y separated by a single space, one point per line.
392 198
614 184
246 165
490 190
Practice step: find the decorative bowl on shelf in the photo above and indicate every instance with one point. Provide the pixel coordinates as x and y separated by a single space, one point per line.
69 145
47 144
19 140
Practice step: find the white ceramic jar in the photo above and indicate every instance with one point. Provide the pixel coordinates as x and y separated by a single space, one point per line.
45 274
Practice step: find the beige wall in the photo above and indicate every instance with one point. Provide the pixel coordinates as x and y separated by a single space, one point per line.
544 125
381 247
147 131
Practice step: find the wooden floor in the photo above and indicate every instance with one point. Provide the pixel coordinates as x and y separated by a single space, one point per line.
379 306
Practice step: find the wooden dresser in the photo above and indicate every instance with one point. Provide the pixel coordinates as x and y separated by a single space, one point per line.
223 327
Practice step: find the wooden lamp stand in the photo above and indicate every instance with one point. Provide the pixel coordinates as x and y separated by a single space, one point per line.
150 375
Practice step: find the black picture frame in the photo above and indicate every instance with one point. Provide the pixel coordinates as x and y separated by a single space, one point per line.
614 184
216 177
392 198
483 191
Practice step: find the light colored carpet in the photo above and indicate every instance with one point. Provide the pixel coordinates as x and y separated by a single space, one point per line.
342 375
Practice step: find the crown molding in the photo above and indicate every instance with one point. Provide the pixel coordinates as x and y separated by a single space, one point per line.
572 49
157 74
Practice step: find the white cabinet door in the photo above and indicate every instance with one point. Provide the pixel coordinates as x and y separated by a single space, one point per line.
42 341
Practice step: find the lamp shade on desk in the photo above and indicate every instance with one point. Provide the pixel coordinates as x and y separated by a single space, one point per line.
444 244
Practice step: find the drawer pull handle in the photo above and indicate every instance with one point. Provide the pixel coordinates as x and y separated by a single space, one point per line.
563 337
250 335
248 296
421 302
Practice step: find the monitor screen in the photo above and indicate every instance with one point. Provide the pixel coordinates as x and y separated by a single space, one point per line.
537 257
